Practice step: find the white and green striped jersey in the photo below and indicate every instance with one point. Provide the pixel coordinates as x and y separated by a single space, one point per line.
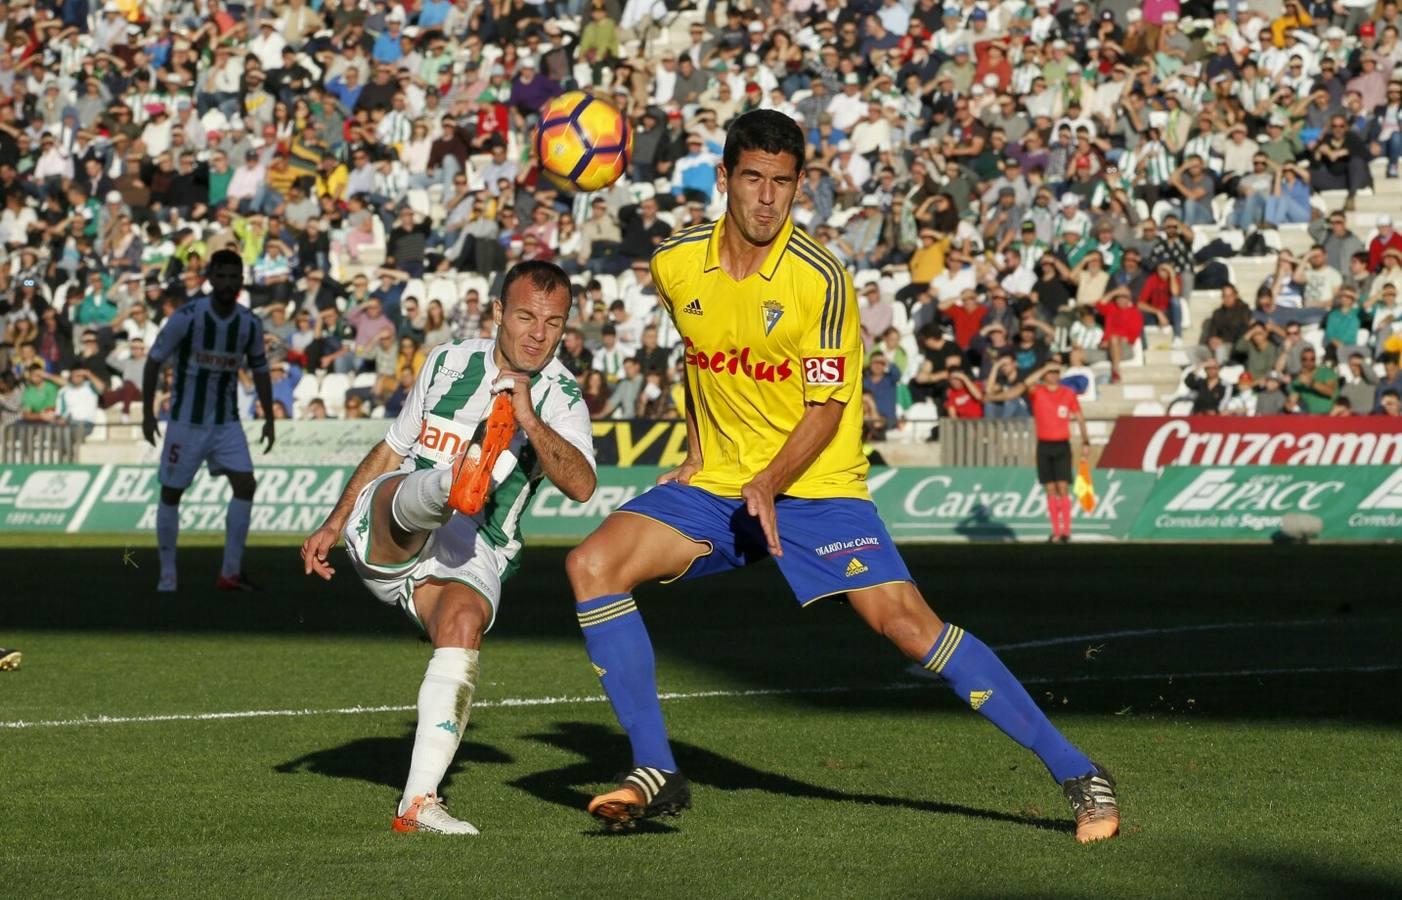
452 396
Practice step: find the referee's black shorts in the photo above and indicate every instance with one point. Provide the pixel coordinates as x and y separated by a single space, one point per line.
1053 461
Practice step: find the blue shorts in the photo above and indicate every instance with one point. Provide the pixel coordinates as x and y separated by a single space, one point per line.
831 546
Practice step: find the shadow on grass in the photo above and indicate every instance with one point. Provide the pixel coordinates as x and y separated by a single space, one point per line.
383 760
602 748
1291 876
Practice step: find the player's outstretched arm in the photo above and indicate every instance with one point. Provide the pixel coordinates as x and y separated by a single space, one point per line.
318 546
814 431
563 463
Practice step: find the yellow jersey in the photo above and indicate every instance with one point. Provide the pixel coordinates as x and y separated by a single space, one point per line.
759 349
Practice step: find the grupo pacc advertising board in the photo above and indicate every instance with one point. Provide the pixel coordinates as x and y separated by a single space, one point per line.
1195 503
1151 442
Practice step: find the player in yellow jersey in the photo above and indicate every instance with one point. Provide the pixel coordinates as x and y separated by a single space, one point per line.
775 469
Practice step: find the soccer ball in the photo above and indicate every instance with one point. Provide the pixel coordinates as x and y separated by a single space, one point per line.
583 143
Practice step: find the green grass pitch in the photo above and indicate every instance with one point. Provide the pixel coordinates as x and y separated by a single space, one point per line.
1246 699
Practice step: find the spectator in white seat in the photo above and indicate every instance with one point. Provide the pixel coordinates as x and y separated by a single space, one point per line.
78 402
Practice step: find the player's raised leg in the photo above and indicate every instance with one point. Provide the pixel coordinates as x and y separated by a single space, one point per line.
628 550
979 678
454 617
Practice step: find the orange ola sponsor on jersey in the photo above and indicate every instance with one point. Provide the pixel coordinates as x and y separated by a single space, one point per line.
440 439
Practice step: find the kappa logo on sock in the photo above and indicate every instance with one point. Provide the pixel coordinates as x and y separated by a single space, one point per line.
599 670
451 727
979 698
855 568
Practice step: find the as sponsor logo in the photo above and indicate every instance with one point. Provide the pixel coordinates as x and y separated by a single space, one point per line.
842 548
740 362
441 439
824 369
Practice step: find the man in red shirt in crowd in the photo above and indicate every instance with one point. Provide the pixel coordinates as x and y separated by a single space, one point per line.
964 399
1124 323
1053 407
1386 239
967 318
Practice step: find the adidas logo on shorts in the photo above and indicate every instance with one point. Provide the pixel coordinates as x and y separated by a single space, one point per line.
855 568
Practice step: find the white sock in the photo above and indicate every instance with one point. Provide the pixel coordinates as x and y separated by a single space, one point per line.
235 536
167 531
421 500
445 700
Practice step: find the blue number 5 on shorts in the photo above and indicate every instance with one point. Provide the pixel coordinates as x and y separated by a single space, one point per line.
830 546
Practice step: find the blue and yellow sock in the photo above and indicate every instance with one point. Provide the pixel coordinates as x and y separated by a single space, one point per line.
617 643
979 677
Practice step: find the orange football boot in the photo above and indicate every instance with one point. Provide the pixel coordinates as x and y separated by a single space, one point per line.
644 793
472 470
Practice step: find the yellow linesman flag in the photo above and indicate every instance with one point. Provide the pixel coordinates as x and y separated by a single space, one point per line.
1084 488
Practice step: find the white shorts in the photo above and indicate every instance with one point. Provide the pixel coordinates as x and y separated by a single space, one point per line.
454 552
187 447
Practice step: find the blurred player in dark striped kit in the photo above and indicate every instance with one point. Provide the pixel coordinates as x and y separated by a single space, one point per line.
206 341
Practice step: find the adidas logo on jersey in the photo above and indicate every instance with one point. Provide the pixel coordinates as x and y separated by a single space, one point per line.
855 568
694 307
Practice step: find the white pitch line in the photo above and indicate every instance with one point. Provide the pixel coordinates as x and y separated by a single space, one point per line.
511 702
1175 629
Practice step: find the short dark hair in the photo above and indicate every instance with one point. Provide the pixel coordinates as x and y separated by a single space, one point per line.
768 130
225 257
543 276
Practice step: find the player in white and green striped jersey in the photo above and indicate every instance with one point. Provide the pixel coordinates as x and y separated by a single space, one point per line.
445 568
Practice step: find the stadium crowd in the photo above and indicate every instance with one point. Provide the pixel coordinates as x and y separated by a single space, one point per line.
1009 181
